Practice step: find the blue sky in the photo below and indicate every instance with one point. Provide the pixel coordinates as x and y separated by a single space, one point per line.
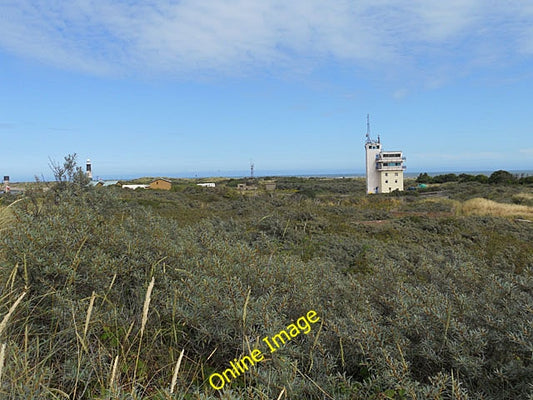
204 87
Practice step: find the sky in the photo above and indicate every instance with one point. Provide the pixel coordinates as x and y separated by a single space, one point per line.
207 87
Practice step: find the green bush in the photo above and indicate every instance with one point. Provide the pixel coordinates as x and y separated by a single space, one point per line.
501 176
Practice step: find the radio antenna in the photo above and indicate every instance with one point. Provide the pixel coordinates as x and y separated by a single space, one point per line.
368 128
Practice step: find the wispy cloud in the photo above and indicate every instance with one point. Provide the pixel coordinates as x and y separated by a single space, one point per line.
527 152
400 94
467 156
239 36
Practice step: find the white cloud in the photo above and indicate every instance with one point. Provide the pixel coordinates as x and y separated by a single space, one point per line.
400 94
240 36
467 156
527 152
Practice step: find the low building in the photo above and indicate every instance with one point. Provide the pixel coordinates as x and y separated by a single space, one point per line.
100 183
270 186
208 184
245 186
161 184
133 187
13 190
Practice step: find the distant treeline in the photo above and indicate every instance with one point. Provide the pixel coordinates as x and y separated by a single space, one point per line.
497 177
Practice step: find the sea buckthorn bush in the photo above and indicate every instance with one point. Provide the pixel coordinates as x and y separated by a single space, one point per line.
102 289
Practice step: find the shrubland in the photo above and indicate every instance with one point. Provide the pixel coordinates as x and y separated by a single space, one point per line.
103 289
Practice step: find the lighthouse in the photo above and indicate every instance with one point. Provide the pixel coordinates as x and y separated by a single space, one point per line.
384 169
88 170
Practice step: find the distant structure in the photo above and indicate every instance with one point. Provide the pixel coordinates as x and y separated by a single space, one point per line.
161 184
89 170
251 170
246 186
270 186
135 186
102 183
7 188
384 169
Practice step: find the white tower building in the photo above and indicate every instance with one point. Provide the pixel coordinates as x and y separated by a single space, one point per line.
384 169
89 170
373 149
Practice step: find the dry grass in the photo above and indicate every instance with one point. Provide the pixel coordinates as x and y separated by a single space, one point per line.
479 206
3 325
523 198
5 217
176 370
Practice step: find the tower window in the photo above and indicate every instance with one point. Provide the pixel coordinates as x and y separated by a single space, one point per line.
386 181
396 174
386 174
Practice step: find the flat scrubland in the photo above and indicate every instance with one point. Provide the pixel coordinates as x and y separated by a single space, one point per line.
113 294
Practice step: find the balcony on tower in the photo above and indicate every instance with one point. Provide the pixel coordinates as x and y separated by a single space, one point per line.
390 161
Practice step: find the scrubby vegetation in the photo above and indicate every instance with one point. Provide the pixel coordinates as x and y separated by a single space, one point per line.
497 177
481 206
115 294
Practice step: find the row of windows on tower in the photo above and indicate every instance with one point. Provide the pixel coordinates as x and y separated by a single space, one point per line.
393 155
374 147
387 174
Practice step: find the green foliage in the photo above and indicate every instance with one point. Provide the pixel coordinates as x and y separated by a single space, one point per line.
425 178
414 301
526 180
68 173
502 177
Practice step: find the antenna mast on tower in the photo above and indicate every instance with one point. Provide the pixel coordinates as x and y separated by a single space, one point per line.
251 170
368 128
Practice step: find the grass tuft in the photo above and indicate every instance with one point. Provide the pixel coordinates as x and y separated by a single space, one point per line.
6 217
176 370
2 358
480 206
3 324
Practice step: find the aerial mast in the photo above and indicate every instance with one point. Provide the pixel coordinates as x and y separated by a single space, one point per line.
368 128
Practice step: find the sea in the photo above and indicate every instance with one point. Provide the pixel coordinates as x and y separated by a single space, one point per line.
296 173
265 173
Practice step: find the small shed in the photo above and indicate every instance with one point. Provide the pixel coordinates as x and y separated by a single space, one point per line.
245 186
104 183
161 184
270 186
